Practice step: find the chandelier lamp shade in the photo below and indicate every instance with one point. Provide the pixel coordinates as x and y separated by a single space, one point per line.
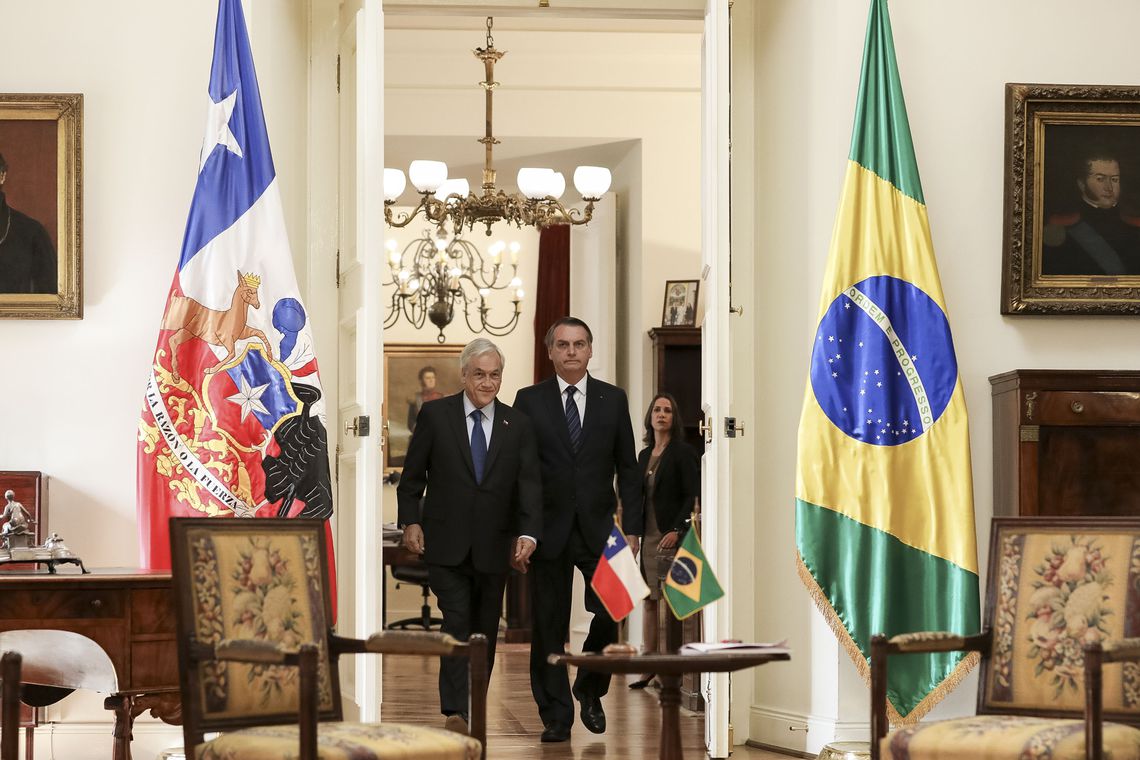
437 275
451 206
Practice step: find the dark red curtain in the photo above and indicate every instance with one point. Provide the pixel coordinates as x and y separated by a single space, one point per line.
552 291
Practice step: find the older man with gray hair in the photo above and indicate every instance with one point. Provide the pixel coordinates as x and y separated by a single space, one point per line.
477 460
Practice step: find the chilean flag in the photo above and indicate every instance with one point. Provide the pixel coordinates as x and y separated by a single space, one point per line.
233 423
617 579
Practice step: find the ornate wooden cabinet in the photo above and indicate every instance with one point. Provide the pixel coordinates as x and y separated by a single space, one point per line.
677 370
1066 442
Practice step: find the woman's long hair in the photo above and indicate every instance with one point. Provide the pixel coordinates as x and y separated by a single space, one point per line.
676 433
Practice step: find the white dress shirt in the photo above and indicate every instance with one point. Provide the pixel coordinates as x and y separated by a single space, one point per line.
488 418
579 397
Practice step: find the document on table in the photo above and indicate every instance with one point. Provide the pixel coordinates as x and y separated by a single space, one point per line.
735 647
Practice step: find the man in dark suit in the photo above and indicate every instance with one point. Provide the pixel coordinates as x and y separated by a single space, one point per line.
584 438
477 459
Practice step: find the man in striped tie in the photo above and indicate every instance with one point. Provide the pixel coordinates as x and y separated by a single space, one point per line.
585 438
476 457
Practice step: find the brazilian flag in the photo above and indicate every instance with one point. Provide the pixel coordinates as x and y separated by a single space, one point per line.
691 583
884 494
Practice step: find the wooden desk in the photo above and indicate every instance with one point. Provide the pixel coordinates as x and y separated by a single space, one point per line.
395 554
669 669
128 613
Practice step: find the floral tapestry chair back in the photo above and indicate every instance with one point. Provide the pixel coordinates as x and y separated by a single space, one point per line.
1055 586
261 580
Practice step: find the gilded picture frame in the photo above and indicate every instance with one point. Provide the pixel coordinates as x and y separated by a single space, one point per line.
414 373
41 237
1072 200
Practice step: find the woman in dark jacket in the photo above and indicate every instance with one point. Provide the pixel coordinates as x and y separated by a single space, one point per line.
672 481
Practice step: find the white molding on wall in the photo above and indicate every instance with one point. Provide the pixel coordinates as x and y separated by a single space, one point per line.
81 738
781 728
593 284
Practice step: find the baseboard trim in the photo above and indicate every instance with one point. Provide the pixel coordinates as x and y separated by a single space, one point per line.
800 734
93 740
778 750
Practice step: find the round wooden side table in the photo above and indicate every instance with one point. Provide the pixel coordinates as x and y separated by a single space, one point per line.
669 669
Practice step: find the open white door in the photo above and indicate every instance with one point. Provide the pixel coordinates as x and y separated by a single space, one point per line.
716 499
360 342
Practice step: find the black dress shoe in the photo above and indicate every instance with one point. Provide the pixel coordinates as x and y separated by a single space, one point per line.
556 732
593 717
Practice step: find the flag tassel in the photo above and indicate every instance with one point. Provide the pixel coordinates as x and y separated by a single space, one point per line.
863 667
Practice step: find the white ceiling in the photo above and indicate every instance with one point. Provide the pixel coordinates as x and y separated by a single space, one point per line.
565 15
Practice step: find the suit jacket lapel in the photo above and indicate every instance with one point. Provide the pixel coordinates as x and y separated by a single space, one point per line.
595 397
458 422
498 432
557 411
666 458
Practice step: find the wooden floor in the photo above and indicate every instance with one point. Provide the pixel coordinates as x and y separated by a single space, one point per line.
411 695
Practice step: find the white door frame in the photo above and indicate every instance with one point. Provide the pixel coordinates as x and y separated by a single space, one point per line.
370 243
716 495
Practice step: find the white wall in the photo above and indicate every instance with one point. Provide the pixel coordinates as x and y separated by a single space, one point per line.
954 59
72 391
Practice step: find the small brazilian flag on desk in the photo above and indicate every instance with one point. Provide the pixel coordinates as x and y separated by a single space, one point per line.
691 583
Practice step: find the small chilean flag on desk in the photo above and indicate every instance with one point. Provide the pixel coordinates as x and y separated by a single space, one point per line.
617 580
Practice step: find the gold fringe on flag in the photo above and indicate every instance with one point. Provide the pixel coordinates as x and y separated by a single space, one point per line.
948 684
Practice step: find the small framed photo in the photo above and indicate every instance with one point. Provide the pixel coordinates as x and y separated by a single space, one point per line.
41 197
414 373
680 309
1072 200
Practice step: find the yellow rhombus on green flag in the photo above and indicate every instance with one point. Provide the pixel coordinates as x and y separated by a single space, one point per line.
884 494
691 583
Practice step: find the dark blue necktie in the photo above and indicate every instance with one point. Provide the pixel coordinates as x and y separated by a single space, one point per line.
573 421
478 445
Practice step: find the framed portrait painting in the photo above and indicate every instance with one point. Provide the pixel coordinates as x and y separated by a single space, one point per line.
680 307
1072 200
414 374
41 167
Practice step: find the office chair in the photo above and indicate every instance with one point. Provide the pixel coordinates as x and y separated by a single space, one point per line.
417 574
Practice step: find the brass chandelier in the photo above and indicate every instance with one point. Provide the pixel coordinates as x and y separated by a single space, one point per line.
436 275
443 201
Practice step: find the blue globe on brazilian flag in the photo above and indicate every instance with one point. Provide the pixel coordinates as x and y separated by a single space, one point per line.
884 494
691 583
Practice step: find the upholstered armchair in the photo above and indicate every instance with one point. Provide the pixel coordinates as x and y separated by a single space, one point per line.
1063 599
259 660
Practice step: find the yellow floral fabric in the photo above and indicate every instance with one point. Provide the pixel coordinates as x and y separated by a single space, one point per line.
1005 737
343 741
1056 592
262 586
